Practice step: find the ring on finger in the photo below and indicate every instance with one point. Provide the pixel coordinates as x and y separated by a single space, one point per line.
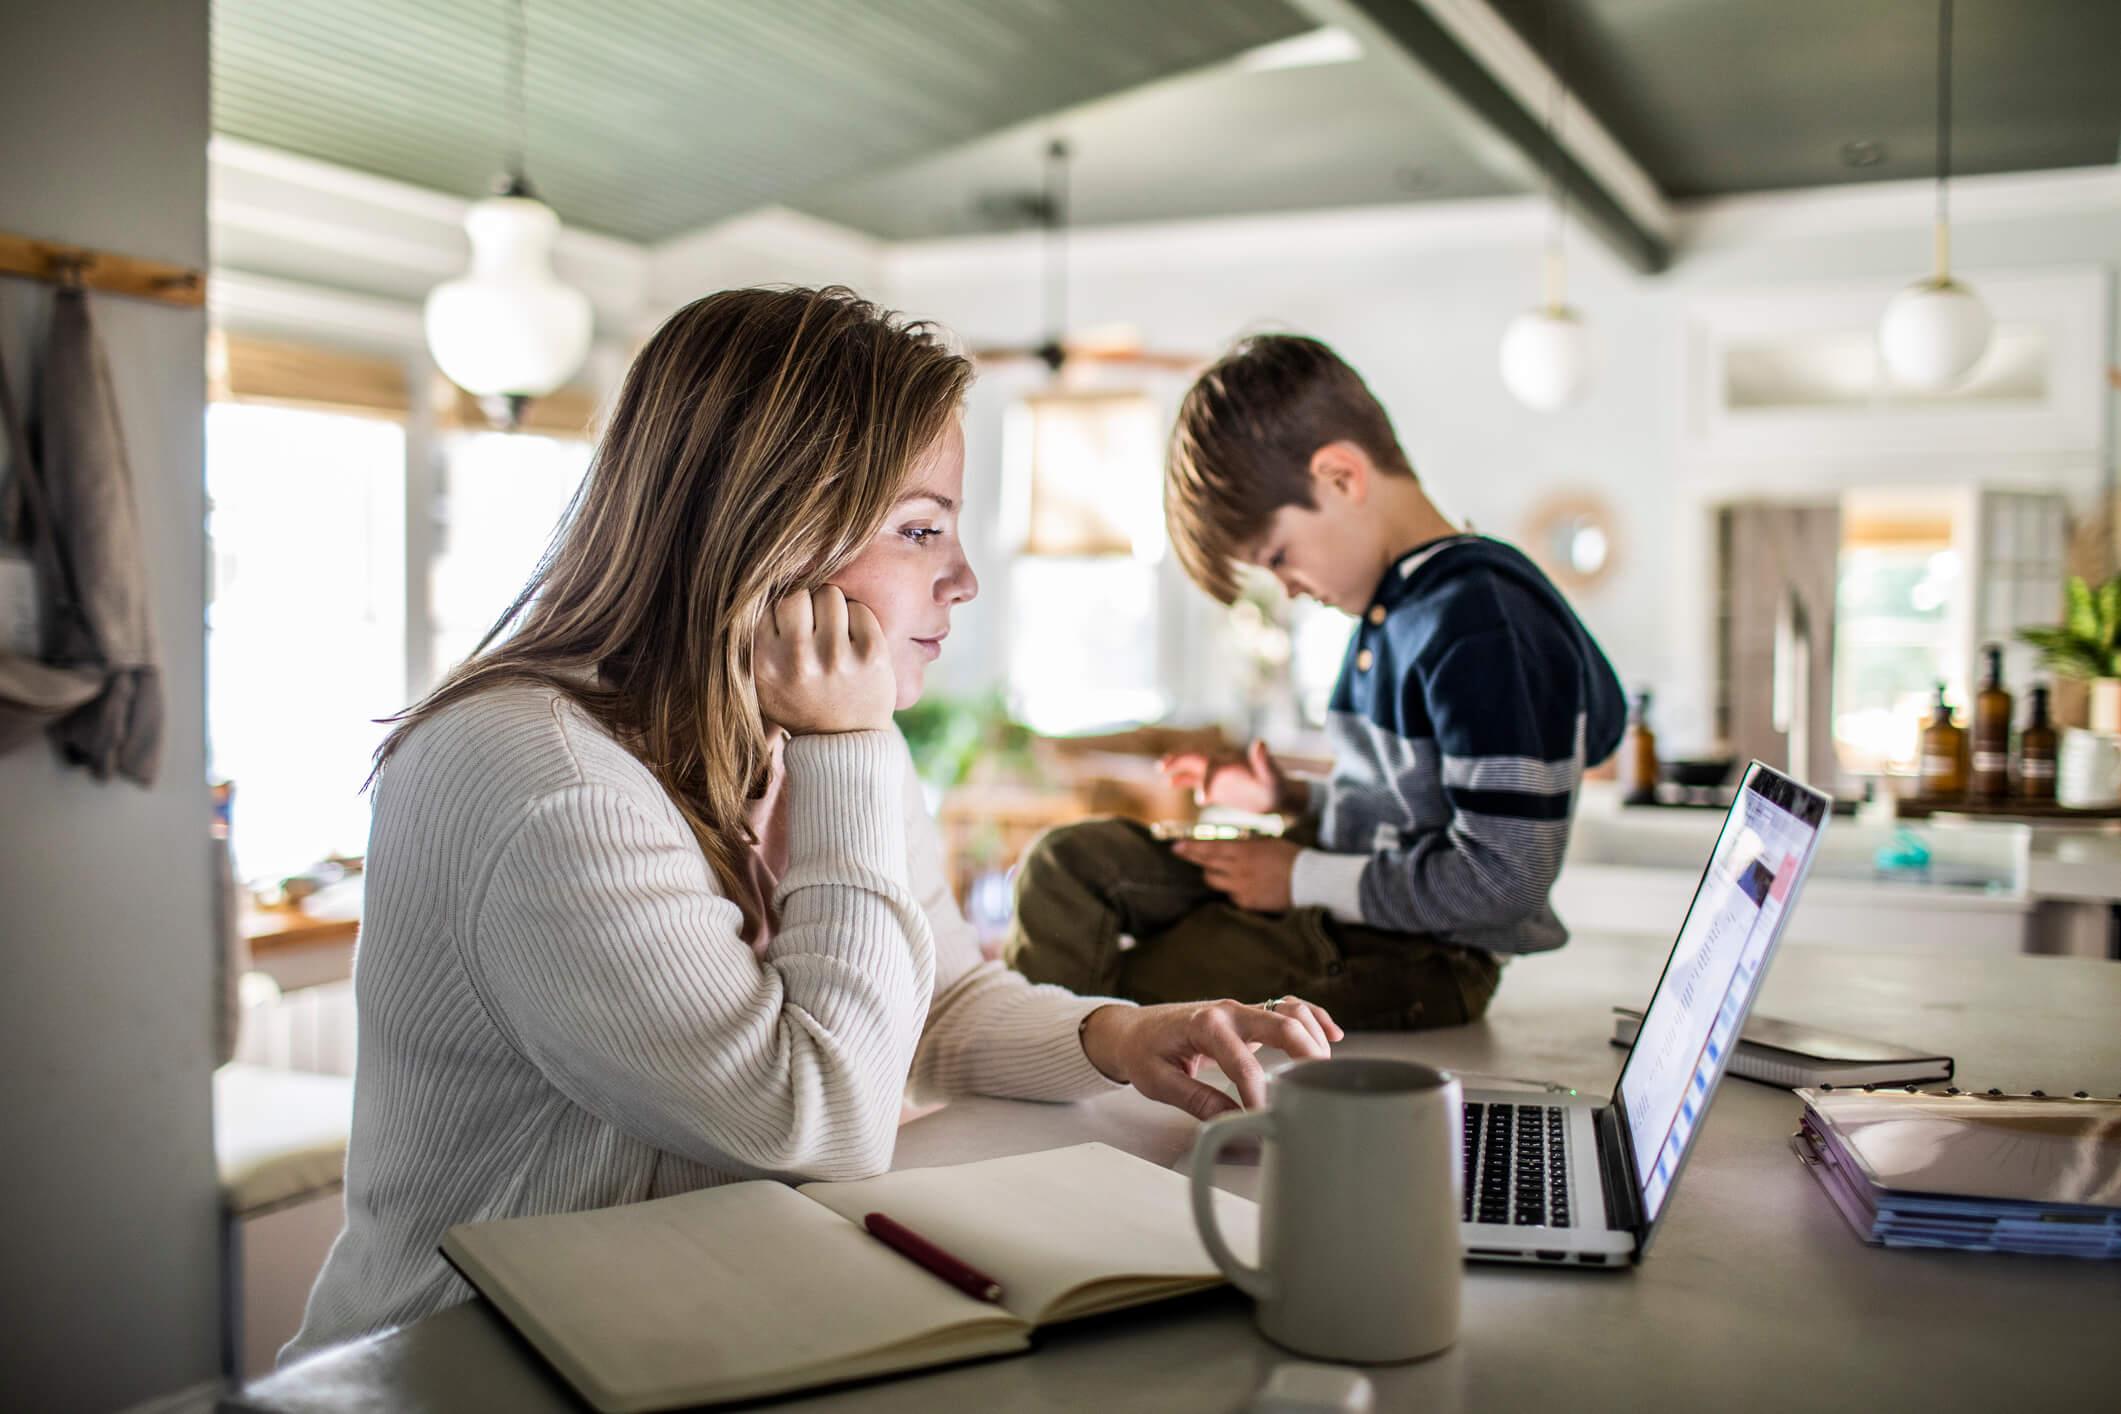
1274 1002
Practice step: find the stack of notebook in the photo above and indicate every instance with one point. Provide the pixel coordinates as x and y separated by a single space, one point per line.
1981 1173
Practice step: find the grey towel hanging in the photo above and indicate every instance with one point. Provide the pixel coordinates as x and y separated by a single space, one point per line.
33 694
85 530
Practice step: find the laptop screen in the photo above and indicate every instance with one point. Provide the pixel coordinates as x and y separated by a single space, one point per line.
1701 1002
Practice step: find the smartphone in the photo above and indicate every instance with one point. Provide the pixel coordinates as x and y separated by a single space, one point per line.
1168 830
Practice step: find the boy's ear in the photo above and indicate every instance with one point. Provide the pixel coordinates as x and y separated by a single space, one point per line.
1343 466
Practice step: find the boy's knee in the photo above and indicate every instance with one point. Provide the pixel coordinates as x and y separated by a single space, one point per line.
1086 851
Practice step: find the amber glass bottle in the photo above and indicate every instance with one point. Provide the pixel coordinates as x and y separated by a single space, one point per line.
2036 752
1943 751
1637 763
1991 776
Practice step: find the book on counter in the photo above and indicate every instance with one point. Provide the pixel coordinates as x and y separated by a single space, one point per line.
1981 1173
756 1289
1789 1054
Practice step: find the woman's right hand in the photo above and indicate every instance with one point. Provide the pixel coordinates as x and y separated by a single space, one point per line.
819 664
1251 782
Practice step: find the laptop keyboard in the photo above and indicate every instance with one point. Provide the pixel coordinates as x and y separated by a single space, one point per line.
1516 1166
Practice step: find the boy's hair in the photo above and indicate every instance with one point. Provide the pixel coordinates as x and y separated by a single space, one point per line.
1243 445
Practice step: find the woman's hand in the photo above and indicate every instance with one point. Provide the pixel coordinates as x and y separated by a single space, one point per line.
1250 782
1159 1049
819 664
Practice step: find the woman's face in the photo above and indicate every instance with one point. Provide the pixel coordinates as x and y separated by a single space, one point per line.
914 572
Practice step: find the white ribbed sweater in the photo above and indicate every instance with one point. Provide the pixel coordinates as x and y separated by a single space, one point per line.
556 1010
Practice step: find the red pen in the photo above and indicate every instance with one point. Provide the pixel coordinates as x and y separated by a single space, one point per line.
918 1249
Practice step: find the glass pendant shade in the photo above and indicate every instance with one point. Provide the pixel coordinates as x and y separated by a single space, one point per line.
1547 358
1936 330
509 328
1933 334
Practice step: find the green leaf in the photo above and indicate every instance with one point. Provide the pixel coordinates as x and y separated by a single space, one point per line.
2083 616
2110 611
2063 652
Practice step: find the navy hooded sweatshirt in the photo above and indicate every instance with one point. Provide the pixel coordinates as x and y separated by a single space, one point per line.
1471 700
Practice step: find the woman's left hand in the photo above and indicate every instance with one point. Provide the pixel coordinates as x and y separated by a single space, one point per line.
1159 1049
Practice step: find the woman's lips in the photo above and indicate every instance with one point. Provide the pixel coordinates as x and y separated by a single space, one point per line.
932 647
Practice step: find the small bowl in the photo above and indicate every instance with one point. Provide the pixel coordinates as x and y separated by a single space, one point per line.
1699 775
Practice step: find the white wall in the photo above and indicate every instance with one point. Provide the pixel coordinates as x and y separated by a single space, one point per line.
1417 299
108 1252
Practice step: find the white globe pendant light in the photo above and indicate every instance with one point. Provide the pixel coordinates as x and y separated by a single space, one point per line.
509 330
1936 329
1547 357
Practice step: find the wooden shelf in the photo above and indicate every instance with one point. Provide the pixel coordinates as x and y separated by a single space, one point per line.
101 270
272 930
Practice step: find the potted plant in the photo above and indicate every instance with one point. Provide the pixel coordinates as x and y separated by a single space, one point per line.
2087 645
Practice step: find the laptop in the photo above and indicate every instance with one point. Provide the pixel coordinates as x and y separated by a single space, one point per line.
1581 1181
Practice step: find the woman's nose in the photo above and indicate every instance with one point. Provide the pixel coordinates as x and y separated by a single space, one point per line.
960 585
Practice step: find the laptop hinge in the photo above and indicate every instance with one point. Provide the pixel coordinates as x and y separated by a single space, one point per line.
1616 1170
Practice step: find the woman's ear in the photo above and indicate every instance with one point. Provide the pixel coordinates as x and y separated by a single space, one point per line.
1344 467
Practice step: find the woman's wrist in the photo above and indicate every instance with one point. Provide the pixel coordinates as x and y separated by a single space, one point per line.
1099 1033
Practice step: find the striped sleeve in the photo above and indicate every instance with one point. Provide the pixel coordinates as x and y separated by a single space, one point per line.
1508 715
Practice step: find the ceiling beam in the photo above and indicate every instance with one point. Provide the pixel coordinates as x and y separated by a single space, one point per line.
1472 52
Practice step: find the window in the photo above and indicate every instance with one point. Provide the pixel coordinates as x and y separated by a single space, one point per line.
305 623
1926 577
1083 503
503 496
1893 644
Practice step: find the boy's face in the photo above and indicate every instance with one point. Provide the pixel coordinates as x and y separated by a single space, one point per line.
1329 551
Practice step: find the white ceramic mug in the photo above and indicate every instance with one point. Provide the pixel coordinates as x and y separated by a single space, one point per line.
2088 771
1360 1258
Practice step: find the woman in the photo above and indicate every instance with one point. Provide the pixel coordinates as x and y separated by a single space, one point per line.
652 902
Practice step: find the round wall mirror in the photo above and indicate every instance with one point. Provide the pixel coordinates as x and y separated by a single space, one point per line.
1573 537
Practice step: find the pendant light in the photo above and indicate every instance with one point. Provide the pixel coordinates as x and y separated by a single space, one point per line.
1936 330
1546 352
509 331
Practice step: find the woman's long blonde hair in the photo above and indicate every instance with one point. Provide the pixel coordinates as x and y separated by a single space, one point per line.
759 441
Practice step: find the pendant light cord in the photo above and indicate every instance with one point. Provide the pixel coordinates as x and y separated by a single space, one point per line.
518 121
1944 139
1557 199
1054 218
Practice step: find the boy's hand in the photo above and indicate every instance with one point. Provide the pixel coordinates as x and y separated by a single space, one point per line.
1254 873
1250 782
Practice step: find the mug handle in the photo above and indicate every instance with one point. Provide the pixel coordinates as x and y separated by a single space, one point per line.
1215 1136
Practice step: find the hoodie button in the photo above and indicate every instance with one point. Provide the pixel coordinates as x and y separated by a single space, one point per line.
1363 661
1377 613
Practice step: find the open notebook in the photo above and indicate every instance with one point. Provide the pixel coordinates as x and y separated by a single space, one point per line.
757 1288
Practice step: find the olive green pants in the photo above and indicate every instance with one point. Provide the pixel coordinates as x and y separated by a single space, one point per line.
1105 909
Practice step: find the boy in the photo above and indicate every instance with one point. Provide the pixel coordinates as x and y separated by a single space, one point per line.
1469 704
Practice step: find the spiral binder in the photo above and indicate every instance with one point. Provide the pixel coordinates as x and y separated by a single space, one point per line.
1973 1171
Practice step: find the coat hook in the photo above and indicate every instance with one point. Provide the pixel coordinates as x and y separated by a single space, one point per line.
69 269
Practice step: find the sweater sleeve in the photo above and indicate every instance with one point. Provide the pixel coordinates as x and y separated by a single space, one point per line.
612 962
990 1031
1508 714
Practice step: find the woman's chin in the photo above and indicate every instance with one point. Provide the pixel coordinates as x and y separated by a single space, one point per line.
910 686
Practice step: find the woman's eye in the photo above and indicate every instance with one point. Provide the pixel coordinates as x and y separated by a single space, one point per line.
1274 561
920 534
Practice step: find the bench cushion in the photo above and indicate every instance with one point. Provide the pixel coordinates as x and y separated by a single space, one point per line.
279 1135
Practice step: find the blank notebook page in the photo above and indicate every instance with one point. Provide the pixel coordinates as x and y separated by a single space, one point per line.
1060 1221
